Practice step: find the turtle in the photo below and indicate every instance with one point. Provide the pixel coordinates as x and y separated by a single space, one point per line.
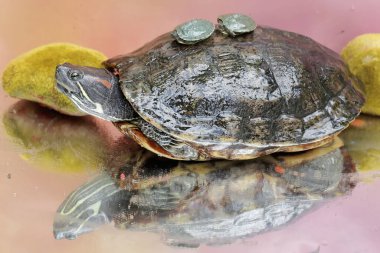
206 202
232 97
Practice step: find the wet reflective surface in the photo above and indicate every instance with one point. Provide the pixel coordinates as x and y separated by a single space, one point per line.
99 184
206 202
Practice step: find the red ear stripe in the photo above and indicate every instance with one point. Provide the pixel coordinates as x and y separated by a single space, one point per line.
106 83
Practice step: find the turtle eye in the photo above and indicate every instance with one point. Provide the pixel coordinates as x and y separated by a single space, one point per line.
75 75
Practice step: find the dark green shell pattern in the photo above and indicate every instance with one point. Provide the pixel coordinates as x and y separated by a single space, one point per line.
267 88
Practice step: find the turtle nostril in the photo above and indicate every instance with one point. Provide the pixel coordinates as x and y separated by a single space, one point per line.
59 71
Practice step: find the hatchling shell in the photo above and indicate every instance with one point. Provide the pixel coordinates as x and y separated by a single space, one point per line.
235 24
193 31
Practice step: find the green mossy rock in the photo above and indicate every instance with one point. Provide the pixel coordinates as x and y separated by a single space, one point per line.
362 55
31 76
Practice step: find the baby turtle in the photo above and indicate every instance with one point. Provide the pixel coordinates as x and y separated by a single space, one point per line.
223 98
235 24
193 31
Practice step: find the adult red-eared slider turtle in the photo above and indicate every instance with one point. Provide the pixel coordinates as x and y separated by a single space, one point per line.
235 95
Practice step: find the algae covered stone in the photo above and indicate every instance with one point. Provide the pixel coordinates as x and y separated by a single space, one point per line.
362 56
31 76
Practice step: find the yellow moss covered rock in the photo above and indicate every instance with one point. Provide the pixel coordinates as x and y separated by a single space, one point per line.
31 76
362 55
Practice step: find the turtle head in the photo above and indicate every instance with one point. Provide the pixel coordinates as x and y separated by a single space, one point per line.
87 208
95 91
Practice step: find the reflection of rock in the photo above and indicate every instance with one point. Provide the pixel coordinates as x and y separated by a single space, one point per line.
206 202
54 141
362 140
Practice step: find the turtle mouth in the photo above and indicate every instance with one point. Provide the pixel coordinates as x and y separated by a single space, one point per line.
66 89
63 88
76 97
81 100
69 92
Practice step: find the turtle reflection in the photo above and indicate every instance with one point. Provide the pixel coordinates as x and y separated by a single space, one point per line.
206 202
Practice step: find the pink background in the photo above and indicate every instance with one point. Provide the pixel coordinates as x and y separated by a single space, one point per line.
349 224
119 26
